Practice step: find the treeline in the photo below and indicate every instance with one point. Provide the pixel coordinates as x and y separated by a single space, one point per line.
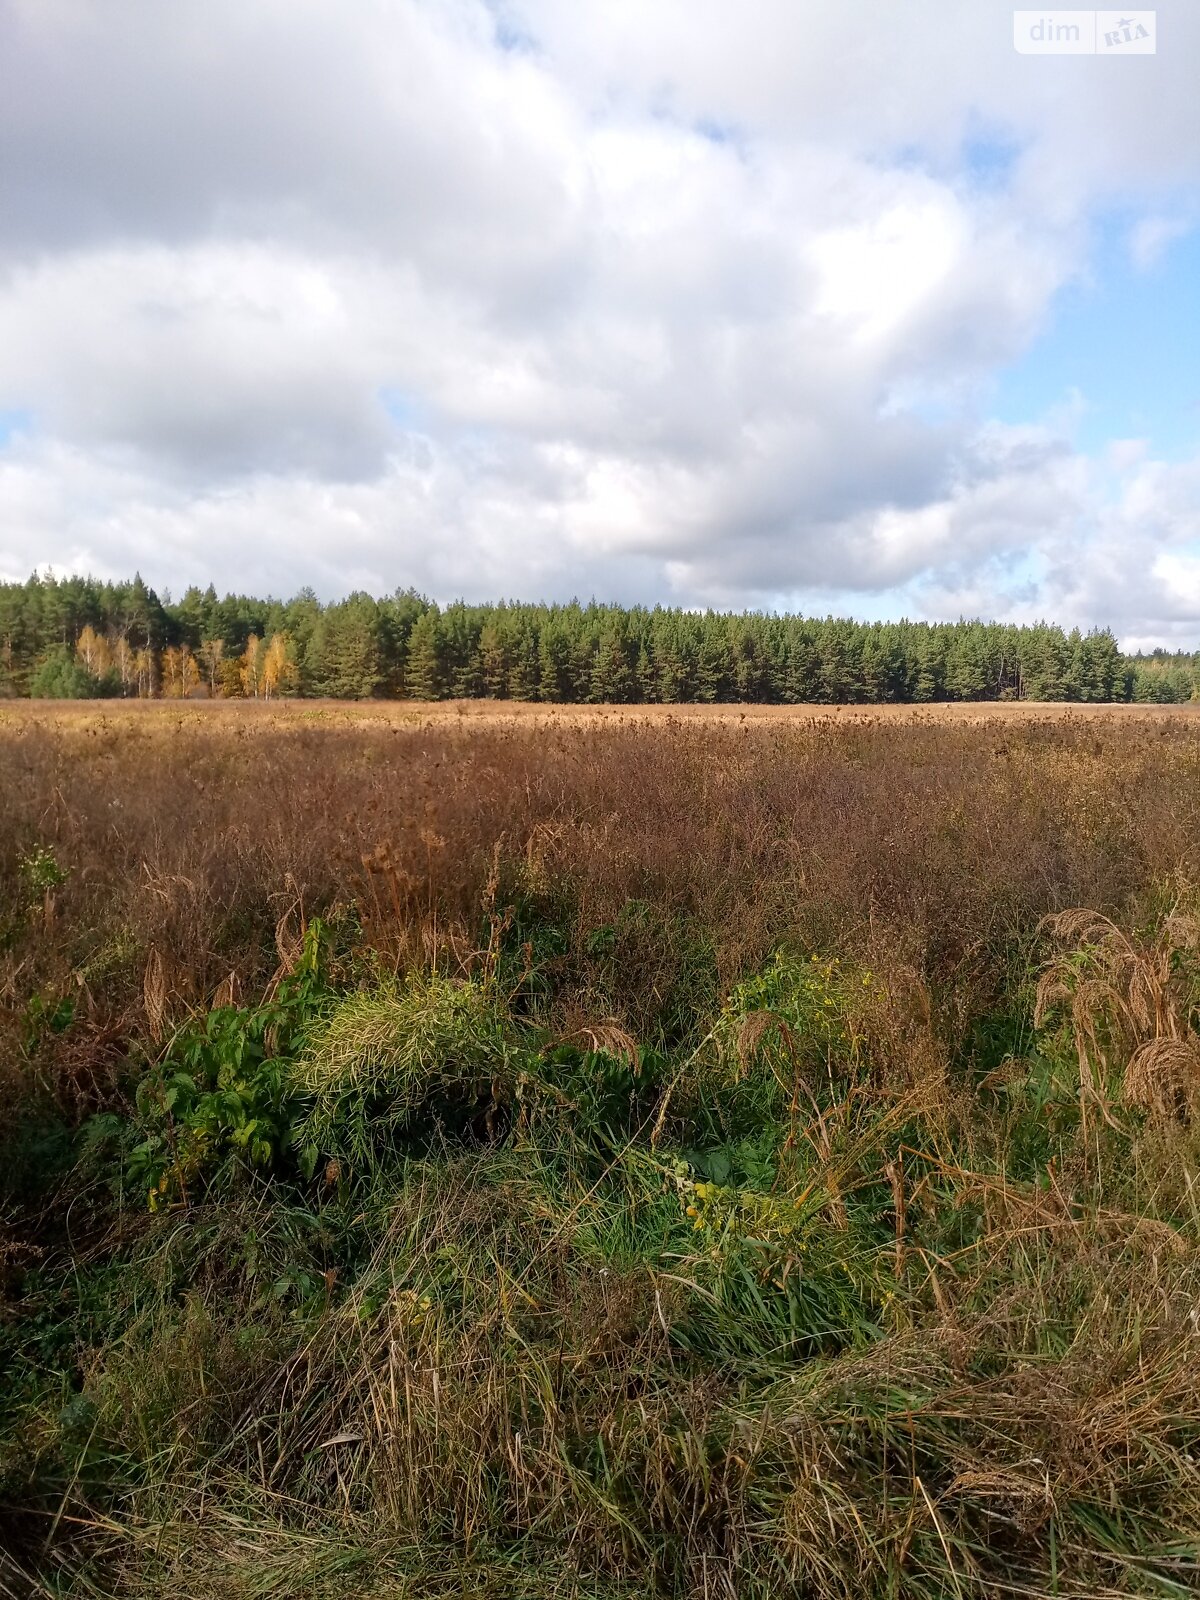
1164 676
76 637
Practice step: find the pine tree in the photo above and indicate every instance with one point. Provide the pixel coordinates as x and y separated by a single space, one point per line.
712 668
966 669
424 674
612 678
349 655
552 663
523 673
493 659
833 670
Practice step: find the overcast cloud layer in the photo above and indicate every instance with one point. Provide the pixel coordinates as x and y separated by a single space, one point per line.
649 299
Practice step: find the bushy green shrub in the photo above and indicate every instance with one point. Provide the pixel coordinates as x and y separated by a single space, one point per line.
223 1092
61 676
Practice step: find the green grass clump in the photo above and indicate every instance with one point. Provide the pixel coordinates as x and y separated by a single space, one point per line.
379 1062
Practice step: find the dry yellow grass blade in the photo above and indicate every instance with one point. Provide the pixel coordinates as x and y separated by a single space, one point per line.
226 992
154 993
289 938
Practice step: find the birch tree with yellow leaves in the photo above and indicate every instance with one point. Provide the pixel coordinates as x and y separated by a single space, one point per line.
279 674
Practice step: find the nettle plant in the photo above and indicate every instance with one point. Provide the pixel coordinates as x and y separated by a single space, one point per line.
223 1095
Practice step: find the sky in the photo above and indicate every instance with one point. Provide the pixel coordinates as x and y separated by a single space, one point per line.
840 307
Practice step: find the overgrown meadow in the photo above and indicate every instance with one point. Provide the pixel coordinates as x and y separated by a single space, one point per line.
639 1157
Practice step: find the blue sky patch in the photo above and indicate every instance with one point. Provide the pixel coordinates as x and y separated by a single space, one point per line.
1127 340
13 423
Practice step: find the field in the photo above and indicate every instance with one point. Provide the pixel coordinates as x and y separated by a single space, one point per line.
480 1150
414 713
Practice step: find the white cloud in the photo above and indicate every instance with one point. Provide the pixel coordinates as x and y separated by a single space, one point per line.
592 298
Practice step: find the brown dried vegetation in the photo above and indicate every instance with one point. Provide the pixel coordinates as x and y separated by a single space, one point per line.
887 1286
195 840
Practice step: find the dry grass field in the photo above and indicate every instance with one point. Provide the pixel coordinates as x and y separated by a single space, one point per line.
409 713
483 1149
